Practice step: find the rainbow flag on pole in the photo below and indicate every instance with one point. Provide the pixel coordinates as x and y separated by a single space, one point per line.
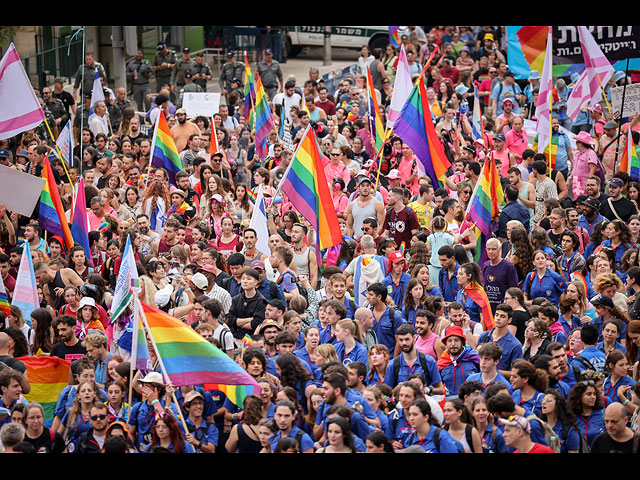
375 120
189 359
164 153
4 300
305 184
415 127
486 198
264 122
630 163
52 215
80 224
249 91
48 376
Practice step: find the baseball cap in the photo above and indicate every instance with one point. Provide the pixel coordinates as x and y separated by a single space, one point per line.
4 154
206 268
200 281
186 50
230 54
191 396
500 136
268 51
257 264
364 179
188 75
509 73
616 182
181 110
23 153
161 45
163 296
396 256
610 125
602 301
488 36
516 421
394 175
595 108
87 301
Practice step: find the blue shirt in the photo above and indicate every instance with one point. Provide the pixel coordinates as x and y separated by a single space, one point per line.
507 92
305 442
399 425
493 441
470 306
447 444
562 156
594 356
432 375
584 223
207 433
101 369
477 377
572 442
357 354
611 390
591 426
142 417
550 286
511 347
619 250
533 405
449 286
397 291
386 327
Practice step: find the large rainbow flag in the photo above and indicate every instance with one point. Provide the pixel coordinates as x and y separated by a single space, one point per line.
630 163
48 376
478 295
305 184
415 126
375 120
52 216
189 359
164 153
487 197
264 122
80 224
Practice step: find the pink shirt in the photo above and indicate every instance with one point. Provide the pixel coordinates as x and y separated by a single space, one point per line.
426 345
332 171
406 169
516 143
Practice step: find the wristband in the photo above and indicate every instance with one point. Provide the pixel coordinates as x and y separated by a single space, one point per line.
625 402
153 402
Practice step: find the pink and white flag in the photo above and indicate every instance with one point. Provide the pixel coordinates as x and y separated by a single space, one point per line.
543 106
25 294
580 94
19 107
597 67
402 86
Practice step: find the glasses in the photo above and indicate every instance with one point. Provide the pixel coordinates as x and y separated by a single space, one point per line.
102 416
588 383
196 404
335 154
492 73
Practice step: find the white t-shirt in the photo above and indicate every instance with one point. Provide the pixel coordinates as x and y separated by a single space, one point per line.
292 101
224 337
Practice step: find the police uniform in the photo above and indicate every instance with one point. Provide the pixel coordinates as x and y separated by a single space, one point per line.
270 74
188 88
182 67
202 69
58 110
89 76
229 72
164 76
138 74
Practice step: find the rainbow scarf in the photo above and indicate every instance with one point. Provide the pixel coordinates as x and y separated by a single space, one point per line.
479 296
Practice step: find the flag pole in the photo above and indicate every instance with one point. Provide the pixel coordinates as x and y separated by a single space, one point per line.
164 371
134 348
58 150
624 91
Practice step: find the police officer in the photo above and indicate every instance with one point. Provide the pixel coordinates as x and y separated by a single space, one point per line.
189 86
56 107
163 64
201 72
138 74
89 66
270 74
230 70
182 66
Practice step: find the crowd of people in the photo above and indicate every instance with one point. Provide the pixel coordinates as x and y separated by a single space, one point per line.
373 345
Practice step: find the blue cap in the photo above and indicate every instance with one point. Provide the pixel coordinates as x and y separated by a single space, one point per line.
4 154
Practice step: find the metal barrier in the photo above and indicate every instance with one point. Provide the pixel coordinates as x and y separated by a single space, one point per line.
42 67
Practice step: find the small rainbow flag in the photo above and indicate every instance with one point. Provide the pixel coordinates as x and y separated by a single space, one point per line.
249 91
375 120
264 121
52 215
80 224
394 36
306 186
164 151
4 300
630 162
251 194
486 198
188 359
48 376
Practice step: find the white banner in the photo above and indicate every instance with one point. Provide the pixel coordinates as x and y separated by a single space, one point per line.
631 100
19 191
201 103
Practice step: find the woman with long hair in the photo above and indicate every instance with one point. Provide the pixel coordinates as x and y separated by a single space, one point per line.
293 374
542 281
42 338
537 337
244 436
618 239
76 421
16 320
458 422
514 297
422 273
617 366
227 242
413 301
166 433
155 203
469 275
132 201
556 412
632 344
79 263
529 384
578 290
492 439
378 442
373 395
378 360
521 253
586 404
242 203
339 437
424 426
596 238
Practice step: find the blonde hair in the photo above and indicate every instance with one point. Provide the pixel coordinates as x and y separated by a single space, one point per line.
352 327
327 351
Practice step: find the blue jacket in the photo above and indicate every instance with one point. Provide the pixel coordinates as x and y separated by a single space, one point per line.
550 286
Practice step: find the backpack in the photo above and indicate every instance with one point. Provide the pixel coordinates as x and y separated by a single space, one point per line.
222 335
552 439
584 443
436 440
423 364
468 435
301 290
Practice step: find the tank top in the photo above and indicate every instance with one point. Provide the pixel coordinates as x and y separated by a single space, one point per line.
58 300
523 192
246 444
359 214
302 261
376 76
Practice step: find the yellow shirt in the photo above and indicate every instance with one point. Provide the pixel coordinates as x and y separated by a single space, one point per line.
423 212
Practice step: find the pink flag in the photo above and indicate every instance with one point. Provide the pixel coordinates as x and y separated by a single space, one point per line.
25 294
579 96
402 86
543 107
597 67
19 107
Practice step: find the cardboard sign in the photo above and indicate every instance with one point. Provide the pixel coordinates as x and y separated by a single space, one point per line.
201 103
19 191
631 100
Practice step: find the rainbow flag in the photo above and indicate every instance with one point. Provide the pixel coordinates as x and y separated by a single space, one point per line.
394 36
80 224
415 126
486 198
550 154
251 194
4 300
264 122
306 185
188 359
48 376
375 120
630 163
249 91
164 152
52 216
478 295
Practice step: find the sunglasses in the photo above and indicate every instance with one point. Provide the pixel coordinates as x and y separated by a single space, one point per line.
102 416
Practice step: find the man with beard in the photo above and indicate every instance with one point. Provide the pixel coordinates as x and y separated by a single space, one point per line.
550 365
617 206
572 226
412 361
148 236
500 335
144 156
93 439
269 330
401 222
425 340
459 360
68 347
364 206
569 374
304 256
182 130
591 215
134 129
526 192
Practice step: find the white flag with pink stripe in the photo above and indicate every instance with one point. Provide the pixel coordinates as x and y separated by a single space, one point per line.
597 67
579 96
402 87
543 107
19 107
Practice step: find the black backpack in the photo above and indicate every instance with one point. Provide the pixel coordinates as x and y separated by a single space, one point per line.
423 363
302 290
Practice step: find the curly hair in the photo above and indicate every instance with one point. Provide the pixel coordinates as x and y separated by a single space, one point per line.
523 250
419 255
291 370
575 396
